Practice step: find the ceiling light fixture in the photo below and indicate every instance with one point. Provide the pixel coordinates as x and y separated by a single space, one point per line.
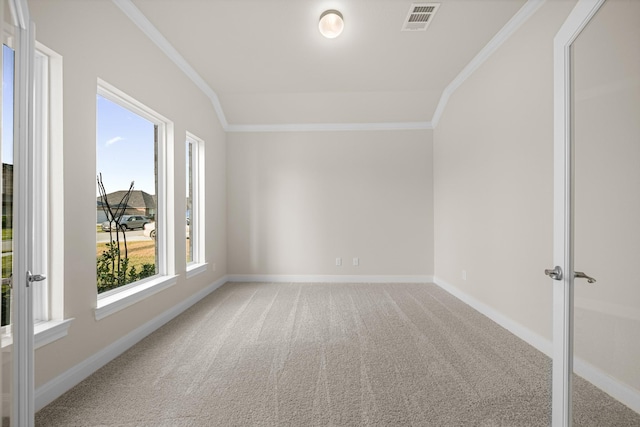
331 24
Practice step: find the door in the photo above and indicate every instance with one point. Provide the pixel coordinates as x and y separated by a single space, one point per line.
596 205
16 357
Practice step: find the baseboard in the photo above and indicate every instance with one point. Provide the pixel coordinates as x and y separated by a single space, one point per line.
53 389
621 392
286 278
532 338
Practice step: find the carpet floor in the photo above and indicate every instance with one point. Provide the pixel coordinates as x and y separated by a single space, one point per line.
261 354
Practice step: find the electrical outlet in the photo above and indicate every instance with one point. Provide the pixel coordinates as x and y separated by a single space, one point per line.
356 261
464 274
338 262
213 266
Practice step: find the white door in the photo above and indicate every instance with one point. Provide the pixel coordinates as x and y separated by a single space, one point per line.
597 204
17 215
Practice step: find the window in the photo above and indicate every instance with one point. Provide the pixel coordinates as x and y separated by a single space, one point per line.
134 232
48 193
48 252
8 74
195 201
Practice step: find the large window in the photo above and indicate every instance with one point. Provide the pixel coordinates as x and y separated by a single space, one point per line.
131 220
195 201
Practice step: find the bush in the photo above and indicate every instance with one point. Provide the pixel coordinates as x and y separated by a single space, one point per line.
113 270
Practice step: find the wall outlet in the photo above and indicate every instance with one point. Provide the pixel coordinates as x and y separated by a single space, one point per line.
213 266
338 262
356 261
464 274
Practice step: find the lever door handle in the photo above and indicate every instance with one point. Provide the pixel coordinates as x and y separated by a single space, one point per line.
581 275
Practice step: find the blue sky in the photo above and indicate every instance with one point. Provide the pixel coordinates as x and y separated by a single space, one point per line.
125 148
7 104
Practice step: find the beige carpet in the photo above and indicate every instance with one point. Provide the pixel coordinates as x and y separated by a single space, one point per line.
327 354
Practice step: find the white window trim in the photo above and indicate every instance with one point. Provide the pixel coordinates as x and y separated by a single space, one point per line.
43 333
197 226
120 298
48 309
50 324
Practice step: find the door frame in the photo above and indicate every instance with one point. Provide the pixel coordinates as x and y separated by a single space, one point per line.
22 408
563 290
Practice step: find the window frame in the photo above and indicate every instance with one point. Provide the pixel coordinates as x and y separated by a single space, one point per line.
197 226
117 299
48 295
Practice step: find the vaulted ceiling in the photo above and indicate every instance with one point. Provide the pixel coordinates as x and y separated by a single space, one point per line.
268 64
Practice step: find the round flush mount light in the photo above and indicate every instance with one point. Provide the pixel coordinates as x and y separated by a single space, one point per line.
331 24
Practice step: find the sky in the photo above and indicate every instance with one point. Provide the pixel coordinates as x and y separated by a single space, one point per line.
124 148
7 104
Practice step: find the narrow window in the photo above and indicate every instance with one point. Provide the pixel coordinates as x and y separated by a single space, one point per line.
195 201
8 56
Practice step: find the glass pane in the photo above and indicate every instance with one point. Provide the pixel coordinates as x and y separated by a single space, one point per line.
606 129
190 177
6 152
126 148
7 180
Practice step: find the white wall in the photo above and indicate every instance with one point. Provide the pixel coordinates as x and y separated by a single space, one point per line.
96 40
296 201
493 177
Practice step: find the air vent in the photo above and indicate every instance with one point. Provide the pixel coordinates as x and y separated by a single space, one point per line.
420 16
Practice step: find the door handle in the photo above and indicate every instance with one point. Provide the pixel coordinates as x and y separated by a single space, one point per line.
555 274
581 275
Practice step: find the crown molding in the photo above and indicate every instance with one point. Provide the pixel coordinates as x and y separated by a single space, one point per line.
522 16
138 18
330 127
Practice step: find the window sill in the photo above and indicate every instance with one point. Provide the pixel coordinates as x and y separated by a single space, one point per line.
48 332
44 333
195 269
118 301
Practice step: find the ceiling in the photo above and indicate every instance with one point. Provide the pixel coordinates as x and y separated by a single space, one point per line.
268 64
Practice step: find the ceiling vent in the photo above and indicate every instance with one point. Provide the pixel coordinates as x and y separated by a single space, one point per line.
420 16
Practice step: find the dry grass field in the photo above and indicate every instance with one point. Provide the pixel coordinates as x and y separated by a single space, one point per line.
139 252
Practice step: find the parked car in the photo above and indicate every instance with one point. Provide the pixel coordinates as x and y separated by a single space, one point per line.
150 230
126 222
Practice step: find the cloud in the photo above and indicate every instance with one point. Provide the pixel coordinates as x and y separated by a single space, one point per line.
114 140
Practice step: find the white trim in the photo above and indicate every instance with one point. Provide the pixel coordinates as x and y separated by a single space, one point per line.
50 391
622 392
539 342
330 127
627 395
23 230
525 12
563 290
138 18
20 13
292 278
113 303
48 332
